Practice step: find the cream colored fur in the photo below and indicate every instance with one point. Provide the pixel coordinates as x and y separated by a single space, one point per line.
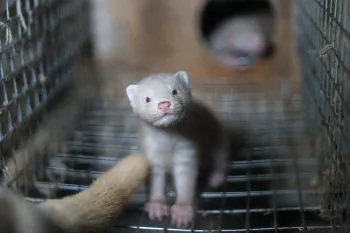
246 34
188 138
92 210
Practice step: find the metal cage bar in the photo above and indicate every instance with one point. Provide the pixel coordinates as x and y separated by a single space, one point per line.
268 186
323 32
41 46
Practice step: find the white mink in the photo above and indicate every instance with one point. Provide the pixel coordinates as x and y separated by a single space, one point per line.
240 41
180 136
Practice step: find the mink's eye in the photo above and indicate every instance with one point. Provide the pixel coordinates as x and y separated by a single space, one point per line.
174 92
148 99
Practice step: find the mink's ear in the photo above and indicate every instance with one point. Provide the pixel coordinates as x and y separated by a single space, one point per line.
183 76
131 92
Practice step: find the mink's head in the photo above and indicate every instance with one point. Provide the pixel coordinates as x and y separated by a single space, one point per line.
161 99
239 42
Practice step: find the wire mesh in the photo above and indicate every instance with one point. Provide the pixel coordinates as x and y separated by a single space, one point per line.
41 45
260 191
270 186
323 28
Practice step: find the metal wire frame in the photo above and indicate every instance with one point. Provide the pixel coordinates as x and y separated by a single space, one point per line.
323 28
41 46
267 189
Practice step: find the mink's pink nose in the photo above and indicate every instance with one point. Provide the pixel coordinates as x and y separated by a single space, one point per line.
164 106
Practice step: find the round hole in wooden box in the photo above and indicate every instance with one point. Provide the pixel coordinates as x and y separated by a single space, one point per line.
238 32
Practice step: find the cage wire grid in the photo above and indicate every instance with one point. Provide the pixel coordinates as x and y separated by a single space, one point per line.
41 46
259 194
268 188
323 31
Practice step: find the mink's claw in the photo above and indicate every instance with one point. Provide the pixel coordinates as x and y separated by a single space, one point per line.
156 210
181 215
216 179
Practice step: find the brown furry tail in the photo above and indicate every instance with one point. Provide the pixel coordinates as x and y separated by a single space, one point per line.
19 216
92 210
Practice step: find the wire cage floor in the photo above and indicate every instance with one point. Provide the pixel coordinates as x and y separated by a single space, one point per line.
270 186
267 189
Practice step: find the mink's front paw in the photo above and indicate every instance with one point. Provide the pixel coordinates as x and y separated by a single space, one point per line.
181 215
156 210
216 179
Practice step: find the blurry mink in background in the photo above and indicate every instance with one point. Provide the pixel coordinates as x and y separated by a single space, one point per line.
238 32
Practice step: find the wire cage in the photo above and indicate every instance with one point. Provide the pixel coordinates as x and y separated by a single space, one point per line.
323 32
276 184
42 46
